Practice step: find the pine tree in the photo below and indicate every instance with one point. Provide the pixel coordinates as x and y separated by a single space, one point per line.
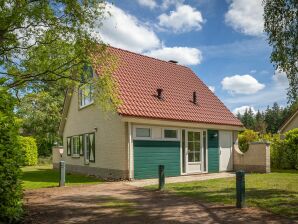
248 119
260 124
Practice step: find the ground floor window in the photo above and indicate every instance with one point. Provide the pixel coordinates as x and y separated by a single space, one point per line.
82 145
143 132
75 146
89 149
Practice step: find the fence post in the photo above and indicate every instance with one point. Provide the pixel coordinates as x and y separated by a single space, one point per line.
240 189
161 177
62 174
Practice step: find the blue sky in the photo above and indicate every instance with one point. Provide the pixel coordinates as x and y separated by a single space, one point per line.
222 41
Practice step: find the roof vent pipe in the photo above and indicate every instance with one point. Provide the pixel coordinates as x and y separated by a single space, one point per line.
194 97
159 93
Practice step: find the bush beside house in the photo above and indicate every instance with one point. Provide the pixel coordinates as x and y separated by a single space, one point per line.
245 138
29 150
283 151
10 161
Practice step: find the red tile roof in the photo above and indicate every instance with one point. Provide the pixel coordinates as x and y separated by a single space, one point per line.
140 76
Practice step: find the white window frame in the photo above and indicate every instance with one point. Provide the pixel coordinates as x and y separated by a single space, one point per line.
81 88
201 148
172 129
141 138
77 154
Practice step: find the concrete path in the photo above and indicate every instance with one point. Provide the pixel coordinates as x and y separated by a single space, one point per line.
186 178
121 203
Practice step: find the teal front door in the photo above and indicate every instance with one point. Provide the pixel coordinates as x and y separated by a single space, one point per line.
148 155
213 151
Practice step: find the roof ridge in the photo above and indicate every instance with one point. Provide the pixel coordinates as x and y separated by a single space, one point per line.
148 56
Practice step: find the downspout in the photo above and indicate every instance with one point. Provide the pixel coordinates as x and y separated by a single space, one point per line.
130 152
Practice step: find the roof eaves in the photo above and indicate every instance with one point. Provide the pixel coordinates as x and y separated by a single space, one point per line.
285 123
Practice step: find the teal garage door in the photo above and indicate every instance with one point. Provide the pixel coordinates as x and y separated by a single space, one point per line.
213 151
148 155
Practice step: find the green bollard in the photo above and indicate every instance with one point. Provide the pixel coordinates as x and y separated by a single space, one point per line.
161 177
240 189
62 174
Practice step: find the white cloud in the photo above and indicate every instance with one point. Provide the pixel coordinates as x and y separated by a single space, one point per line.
280 78
241 84
184 19
276 91
212 88
167 3
184 55
242 109
148 3
246 16
253 71
125 31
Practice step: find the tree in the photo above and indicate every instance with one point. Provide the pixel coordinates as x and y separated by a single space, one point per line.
260 124
42 42
281 21
41 113
45 48
10 160
248 119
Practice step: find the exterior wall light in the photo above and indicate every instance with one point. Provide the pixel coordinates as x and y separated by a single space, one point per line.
61 149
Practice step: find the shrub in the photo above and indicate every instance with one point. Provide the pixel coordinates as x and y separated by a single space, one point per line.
45 160
277 153
10 160
29 150
284 152
245 138
291 146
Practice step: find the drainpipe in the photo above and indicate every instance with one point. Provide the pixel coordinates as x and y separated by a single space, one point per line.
130 152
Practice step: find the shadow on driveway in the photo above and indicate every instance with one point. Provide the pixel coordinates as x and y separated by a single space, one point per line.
121 203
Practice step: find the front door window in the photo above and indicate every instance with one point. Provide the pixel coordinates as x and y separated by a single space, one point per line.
194 146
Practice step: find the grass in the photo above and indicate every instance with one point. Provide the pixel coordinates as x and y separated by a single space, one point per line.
276 192
44 176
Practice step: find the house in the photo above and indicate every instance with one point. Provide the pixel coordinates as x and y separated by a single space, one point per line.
290 123
168 117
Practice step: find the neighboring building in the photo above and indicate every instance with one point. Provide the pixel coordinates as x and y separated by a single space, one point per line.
290 123
168 117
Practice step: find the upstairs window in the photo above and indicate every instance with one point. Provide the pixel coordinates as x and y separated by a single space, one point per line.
86 90
85 95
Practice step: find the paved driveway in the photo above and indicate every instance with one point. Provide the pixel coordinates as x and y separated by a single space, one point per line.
180 179
122 203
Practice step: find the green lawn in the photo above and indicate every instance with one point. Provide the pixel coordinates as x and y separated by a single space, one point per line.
44 176
276 192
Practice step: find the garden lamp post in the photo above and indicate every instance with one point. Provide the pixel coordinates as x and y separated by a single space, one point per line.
62 169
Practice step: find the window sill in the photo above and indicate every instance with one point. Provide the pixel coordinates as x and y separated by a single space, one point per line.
82 107
143 138
75 156
171 139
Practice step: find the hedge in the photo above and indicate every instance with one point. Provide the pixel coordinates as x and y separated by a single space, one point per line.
29 150
10 161
284 152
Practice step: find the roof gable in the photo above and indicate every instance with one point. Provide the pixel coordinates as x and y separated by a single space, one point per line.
140 76
288 121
